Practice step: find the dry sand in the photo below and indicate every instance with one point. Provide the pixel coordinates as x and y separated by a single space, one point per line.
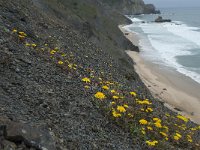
177 91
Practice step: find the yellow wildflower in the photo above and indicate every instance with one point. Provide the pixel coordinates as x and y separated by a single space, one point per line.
87 80
60 62
86 87
14 30
156 119
116 114
182 118
152 143
143 121
193 129
125 105
22 34
45 44
115 97
100 95
163 133
144 102
177 136
33 45
113 91
105 87
52 52
149 109
121 109
158 125
113 103
70 66
27 44
133 93
189 138
149 128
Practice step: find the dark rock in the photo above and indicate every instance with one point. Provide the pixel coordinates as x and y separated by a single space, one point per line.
35 136
150 9
7 145
126 33
129 46
160 20
177 109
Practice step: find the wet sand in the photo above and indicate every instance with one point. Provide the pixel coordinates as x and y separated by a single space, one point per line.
178 92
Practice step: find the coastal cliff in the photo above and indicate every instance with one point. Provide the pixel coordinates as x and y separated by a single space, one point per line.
67 83
98 21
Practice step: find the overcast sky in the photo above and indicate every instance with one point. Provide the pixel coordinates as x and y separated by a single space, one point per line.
174 3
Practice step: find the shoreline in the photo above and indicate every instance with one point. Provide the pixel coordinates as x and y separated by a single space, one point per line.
178 92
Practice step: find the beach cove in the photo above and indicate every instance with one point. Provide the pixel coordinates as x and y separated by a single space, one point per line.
178 92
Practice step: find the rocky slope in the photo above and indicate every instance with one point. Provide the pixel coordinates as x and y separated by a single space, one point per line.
40 99
54 57
98 20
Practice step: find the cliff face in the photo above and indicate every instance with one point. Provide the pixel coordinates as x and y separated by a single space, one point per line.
130 7
98 20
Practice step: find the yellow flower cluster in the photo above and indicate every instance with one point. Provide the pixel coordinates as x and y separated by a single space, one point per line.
113 91
100 95
133 93
116 114
149 109
143 121
182 118
155 128
163 133
33 45
60 62
86 80
157 122
121 109
21 35
149 128
189 138
14 31
115 97
105 87
52 52
144 102
152 143
177 136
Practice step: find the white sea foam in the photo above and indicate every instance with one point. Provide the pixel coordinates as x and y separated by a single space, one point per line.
184 31
163 42
136 20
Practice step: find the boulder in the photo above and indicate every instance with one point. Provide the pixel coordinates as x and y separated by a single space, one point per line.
30 136
160 20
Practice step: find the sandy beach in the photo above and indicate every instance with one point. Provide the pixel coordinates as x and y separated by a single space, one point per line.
178 92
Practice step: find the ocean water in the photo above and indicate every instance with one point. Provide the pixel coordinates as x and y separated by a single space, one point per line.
175 44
